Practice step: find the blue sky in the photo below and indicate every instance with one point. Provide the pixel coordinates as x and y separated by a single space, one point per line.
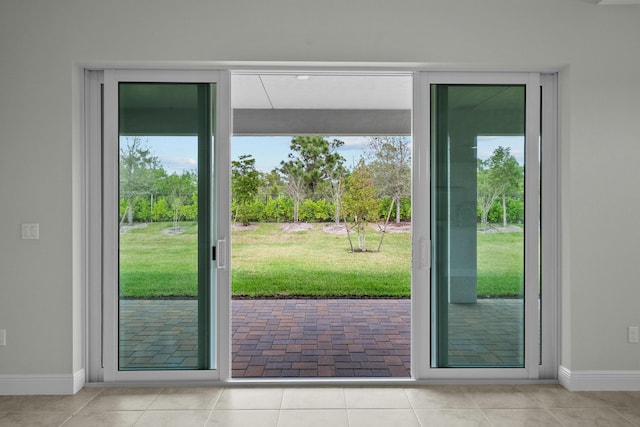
269 151
175 153
487 144
178 154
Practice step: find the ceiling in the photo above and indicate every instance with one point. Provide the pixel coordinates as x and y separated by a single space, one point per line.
326 91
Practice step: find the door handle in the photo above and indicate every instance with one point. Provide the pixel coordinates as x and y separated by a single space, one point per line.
424 258
221 248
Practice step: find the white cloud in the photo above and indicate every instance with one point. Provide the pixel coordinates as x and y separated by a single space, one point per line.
353 142
178 164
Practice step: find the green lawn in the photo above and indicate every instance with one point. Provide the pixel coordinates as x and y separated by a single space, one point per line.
269 262
500 264
156 264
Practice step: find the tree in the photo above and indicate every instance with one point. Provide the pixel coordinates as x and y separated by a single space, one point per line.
487 192
335 176
137 166
317 158
498 176
313 161
294 177
245 182
508 175
179 190
273 185
391 164
359 202
157 178
190 212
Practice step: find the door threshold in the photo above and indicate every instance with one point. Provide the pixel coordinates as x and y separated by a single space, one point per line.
321 382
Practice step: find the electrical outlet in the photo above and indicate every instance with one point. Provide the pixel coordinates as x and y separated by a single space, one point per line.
30 231
3 337
634 334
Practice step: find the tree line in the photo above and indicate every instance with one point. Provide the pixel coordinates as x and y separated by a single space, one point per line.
149 193
312 184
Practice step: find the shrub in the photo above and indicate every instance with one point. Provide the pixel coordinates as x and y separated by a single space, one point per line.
161 211
320 211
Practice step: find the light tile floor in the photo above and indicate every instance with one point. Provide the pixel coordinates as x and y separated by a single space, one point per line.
489 405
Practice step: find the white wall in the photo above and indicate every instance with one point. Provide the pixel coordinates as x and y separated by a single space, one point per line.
44 43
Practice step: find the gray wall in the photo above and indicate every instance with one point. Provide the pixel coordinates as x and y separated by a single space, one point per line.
44 44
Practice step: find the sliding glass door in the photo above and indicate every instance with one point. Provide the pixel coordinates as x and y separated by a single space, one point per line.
484 225
161 280
478 219
165 134
482 219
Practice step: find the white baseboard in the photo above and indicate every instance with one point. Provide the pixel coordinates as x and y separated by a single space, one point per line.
42 384
599 380
78 381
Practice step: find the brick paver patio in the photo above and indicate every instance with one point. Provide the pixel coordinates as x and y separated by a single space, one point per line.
317 337
321 338
160 334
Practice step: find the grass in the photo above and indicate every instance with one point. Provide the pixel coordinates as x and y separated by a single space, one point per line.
153 264
500 264
269 262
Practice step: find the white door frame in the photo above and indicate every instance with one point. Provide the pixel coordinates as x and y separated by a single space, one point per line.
102 363
109 229
536 367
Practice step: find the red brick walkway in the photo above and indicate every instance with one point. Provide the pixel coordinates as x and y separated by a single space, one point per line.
321 338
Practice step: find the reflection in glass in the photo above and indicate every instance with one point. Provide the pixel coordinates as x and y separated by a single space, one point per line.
164 139
478 225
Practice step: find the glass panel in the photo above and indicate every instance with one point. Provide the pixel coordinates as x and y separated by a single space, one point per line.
164 262
478 225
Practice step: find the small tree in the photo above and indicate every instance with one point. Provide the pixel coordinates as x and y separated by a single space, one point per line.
497 176
136 172
508 173
391 164
294 176
360 203
273 186
487 192
335 175
246 182
179 190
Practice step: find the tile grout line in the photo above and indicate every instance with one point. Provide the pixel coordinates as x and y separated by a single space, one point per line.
82 407
145 410
213 406
346 407
622 415
553 416
412 406
280 409
484 414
